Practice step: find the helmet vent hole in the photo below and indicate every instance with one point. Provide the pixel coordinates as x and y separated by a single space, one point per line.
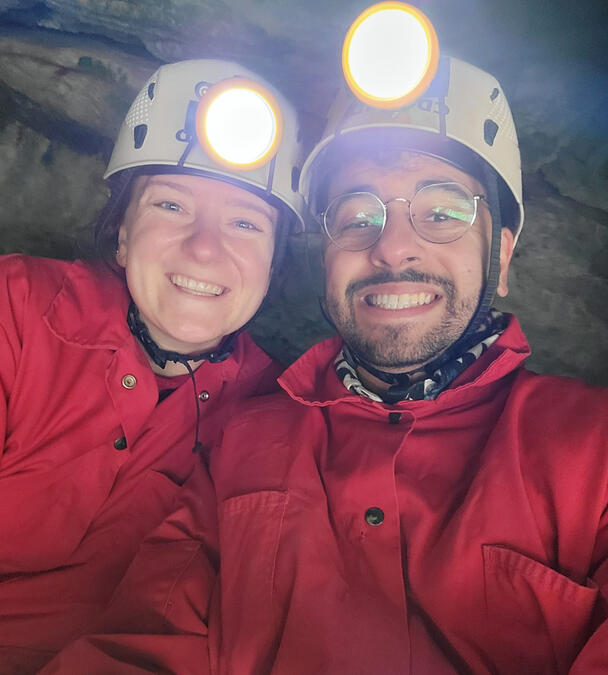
490 129
295 178
139 135
151 90
494 94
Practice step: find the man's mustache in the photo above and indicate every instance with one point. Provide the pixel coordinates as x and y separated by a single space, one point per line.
409 274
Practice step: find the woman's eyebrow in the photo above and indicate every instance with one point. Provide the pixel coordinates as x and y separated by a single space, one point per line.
260 208
176 186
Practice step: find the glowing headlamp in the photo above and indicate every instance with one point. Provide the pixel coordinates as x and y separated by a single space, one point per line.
390 55
239 124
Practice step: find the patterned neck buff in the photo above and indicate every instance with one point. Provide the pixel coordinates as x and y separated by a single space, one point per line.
429 381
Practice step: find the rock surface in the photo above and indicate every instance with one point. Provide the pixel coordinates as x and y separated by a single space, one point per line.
69 69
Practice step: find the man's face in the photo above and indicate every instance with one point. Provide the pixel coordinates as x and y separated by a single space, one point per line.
197 253
402 302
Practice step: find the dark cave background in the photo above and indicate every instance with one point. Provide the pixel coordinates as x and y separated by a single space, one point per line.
69 70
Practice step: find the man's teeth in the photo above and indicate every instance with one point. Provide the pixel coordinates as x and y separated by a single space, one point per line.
402 301
196 286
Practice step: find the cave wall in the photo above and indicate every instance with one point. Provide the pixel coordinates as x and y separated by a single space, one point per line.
69 70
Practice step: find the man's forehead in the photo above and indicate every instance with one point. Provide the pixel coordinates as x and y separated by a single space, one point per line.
368 172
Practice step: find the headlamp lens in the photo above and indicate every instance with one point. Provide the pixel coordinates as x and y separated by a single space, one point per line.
390 54
239 124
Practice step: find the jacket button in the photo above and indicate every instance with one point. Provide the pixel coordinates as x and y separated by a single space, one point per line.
129 381
374 516
120 443
204 395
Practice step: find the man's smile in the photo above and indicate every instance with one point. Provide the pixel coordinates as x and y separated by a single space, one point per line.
401 301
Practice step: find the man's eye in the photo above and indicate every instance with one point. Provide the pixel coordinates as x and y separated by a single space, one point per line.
357 225
442 214
438 216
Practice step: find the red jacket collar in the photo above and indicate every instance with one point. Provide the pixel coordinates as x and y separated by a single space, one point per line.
90 308
312 379
90 311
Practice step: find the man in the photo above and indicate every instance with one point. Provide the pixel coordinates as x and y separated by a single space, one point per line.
418 502
415 501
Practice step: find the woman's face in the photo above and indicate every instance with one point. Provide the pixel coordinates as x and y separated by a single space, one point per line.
197 253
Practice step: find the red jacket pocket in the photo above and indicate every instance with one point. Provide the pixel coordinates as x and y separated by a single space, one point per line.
537 617
250 530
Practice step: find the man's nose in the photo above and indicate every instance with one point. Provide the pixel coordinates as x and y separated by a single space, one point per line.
399 246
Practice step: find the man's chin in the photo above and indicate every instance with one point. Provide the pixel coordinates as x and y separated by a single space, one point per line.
396 363
405 345
392 354
399 348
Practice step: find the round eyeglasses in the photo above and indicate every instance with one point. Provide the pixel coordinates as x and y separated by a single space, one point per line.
439 213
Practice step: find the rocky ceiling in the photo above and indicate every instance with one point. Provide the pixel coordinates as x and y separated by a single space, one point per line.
69 69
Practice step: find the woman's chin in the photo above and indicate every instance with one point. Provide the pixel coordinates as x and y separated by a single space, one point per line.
193 346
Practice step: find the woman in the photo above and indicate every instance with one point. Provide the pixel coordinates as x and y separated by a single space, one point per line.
113 374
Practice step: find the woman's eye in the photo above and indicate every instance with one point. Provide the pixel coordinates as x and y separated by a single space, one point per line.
246 225
170 206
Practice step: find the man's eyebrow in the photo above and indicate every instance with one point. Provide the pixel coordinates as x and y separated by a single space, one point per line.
368 187
454 186
364 187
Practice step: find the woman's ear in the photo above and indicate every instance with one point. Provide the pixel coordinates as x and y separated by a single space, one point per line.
121 250
506 252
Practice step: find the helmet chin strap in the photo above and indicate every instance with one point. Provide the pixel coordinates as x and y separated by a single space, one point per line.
468 338
160 356
489 291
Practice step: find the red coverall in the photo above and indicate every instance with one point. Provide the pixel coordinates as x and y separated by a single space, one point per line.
89 463
468 534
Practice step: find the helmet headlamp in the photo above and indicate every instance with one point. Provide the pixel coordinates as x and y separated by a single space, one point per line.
239 124
390 55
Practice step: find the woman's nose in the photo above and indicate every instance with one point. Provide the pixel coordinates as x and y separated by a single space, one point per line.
205 240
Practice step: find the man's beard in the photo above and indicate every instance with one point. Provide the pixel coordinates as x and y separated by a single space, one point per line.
394 346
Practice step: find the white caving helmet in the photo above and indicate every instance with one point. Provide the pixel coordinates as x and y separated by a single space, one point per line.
217 119
214 119
454 103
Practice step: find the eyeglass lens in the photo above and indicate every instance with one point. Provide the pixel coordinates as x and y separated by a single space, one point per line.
440 213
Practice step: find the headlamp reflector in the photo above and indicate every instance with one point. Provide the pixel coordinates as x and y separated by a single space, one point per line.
390 55
239 124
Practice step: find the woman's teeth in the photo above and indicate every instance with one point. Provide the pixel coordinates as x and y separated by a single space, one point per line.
402 301
200 287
